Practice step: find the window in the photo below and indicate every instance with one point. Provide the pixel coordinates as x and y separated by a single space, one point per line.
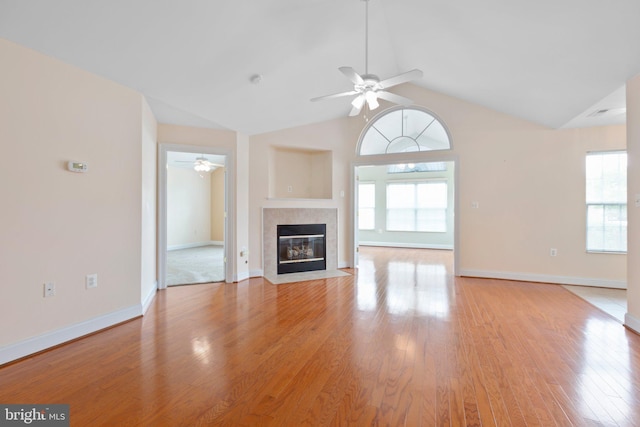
417 167
417 206
403 130
366 206
606 197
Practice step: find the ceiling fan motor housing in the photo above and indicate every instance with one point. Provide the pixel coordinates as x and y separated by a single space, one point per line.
370 82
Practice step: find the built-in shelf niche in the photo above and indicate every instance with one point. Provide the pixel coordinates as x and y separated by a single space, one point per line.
297 173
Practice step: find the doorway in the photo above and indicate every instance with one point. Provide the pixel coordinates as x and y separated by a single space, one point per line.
415 176
193 226
405 205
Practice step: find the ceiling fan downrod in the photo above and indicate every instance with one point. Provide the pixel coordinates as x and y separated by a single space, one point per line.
368 88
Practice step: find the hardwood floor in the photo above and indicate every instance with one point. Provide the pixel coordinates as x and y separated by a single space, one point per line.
401 342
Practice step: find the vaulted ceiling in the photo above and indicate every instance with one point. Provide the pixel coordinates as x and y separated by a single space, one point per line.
553 62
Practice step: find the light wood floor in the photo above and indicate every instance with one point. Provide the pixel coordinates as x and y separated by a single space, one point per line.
401 342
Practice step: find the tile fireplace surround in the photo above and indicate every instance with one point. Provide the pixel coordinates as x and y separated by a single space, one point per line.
272 217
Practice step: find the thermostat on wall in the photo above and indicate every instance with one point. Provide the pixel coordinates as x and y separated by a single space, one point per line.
77 167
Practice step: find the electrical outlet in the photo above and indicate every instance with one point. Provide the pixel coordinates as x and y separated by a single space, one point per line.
290 189
553 252
49 289
91 281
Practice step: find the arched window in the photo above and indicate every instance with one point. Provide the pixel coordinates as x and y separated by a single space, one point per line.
402 130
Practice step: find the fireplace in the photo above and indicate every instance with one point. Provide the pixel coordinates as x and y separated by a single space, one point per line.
301 247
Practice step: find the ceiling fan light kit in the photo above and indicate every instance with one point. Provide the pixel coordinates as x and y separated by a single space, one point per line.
202 165
368 87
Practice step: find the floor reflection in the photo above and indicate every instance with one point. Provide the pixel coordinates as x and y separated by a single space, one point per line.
366 288
201 349
415 280
605 376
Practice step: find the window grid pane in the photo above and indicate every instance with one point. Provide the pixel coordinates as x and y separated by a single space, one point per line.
401 196
432 220
366 218
404 130
367 206
417 206
606 197
401 219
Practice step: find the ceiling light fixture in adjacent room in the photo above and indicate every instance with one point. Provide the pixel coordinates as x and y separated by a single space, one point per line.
201 166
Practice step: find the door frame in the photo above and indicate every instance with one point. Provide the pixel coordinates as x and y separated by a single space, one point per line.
396 158
162 205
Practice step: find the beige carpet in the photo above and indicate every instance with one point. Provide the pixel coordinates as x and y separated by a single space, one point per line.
305 275
195 265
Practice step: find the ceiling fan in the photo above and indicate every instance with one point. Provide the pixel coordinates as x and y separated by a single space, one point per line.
368 87
202 164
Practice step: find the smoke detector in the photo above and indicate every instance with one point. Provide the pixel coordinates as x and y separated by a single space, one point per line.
256 79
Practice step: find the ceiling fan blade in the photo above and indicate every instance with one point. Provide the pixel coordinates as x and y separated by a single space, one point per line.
335 95
357 103
351 75
214 165
392 97
401 78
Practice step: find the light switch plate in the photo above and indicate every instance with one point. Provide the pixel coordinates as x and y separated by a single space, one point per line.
91 281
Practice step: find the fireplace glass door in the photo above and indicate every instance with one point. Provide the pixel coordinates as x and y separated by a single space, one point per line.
301 247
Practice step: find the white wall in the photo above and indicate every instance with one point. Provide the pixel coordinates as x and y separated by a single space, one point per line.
57 225
632 319
149 202
217 205
188 208
240 202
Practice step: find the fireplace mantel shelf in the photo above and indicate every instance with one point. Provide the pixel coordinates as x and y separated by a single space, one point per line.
280 199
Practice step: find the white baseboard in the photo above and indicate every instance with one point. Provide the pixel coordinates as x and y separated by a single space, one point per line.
632 323
407 245
256 273
195 245
60 336
544 278
146 303
343 264
241 276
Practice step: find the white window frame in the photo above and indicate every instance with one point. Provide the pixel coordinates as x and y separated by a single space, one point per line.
611 207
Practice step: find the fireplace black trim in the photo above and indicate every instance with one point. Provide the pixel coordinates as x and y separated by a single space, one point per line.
317 262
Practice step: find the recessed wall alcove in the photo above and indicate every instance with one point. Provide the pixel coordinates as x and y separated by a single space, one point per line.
272 217
296 173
